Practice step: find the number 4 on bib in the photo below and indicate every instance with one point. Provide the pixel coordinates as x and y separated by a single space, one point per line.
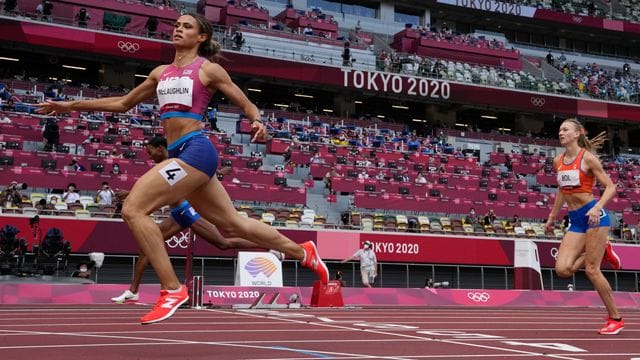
172 172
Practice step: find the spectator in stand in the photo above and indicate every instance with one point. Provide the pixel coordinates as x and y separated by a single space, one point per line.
10 6
550 59
76 165
151 26
11 196
47 10
5 92
363 174
51 134
328 178
105 195
515 221
238 40
71 195
380 175
51 205
472 217
83 17
307 30
316 159
490 217
420 179
115 170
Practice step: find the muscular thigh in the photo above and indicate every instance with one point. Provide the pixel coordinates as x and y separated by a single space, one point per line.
165 183
571 247
213 203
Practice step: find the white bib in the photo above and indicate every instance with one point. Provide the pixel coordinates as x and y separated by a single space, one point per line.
569 178
175 90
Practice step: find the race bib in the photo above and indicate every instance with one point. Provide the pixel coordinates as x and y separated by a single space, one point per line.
569 178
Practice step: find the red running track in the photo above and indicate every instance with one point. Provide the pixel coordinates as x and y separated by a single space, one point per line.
113 332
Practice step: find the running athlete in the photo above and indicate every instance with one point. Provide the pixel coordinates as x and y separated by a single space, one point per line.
585 242
183 89
182 216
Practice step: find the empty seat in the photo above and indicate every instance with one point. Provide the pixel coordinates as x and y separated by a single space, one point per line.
367 224
402 223
82 213
268 218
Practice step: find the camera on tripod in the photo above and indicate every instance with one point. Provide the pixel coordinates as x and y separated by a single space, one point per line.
17 186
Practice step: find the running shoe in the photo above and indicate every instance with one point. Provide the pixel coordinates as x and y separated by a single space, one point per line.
127 296
612 327
166 305
611 257
313 261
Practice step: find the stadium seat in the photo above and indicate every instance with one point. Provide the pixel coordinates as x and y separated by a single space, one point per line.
367 224
402 223
82 214
36 196
291 224
267 218
424 223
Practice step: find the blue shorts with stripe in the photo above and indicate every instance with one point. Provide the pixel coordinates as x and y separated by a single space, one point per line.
579 221
196 150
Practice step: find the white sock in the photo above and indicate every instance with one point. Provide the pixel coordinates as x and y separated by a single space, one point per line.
175 291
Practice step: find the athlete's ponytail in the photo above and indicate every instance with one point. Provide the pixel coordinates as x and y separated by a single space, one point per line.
592 145
209 48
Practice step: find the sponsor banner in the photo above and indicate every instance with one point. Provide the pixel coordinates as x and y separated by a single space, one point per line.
375 82
258 269
113 237
498 7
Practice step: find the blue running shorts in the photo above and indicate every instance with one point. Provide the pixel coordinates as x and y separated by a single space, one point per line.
196 150
579 221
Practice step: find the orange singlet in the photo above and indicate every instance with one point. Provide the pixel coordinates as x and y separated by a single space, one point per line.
572 179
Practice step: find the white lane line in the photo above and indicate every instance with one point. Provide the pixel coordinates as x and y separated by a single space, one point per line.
324 324
157 341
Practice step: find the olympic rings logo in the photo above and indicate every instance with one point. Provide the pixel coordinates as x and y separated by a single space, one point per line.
126 46
576 19
554 252
479 296
179 241
537 101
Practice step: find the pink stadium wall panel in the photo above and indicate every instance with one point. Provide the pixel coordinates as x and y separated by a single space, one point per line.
555 16
82 294
212 14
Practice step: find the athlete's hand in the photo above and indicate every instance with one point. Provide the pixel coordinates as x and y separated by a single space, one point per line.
53 107
594 215
259 131
549 226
